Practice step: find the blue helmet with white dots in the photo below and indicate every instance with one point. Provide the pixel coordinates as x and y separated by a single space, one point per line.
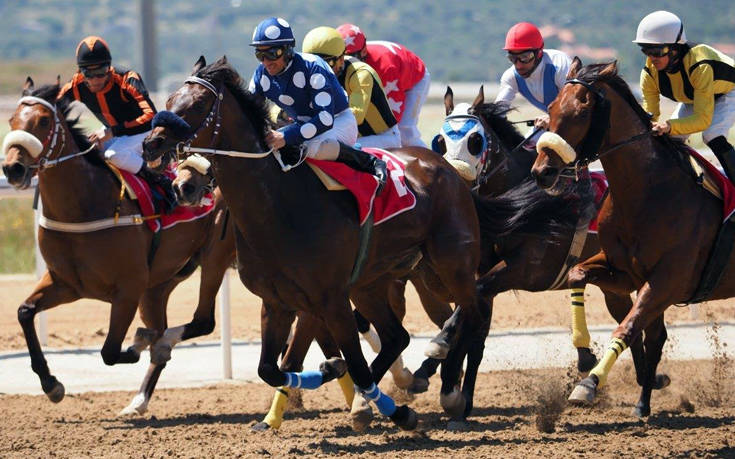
273 32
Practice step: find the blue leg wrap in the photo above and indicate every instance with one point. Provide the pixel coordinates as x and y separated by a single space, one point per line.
304 380
385 404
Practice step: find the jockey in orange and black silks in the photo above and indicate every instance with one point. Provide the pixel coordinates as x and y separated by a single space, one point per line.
465 140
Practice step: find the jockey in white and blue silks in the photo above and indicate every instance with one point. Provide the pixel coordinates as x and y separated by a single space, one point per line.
305 87
536 74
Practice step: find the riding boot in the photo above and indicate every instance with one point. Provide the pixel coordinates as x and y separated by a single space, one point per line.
154 180
725 154
364 162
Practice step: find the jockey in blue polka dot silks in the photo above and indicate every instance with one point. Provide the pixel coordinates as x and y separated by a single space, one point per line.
305 87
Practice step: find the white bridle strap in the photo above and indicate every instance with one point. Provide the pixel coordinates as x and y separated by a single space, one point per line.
555 142
25 140
30 100
203 82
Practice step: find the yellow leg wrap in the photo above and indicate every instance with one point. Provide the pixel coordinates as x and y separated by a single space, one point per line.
348 388
603 367
580 334
274 418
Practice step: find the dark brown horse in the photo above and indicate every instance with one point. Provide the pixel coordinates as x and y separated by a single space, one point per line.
301 241
98 254
657 230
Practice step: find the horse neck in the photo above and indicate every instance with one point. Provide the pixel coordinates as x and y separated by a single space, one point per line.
75 190
517 168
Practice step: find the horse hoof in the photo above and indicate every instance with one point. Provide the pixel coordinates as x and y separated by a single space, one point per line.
586 360
160 353
405 418
584 393
332 369
419 386
260 427
437 350
138 406
361 413
641 411
453 403
457 425
56 394
403 378
662 381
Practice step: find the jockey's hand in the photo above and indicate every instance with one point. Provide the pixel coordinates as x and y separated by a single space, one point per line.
275 139
542 122
660 127
100 136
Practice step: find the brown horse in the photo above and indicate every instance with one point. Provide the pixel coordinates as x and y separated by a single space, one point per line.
302 241
95 254
657 230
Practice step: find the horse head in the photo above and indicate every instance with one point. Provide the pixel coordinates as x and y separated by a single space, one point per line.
579 122
36 133
194 179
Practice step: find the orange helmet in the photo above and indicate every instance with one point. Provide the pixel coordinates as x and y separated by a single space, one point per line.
93 51
523 36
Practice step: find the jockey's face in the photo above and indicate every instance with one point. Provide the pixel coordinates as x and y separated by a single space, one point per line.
660 55
96 76
523 61
272 66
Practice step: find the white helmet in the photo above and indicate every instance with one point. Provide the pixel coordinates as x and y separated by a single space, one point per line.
660 28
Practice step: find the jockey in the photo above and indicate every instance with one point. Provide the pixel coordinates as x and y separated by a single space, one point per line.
403 73
305 87
536 73
375 121
119 99
697 76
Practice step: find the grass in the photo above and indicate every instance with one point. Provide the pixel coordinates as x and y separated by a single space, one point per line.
17 241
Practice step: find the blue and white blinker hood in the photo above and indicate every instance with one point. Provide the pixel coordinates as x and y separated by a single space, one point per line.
456 131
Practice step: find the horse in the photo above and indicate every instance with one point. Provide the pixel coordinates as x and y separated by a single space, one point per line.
656 232
99 250
304 239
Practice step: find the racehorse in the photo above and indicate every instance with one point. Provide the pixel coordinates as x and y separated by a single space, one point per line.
99 249
302 241
658 229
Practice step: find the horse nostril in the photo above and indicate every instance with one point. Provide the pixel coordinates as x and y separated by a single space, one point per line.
188 189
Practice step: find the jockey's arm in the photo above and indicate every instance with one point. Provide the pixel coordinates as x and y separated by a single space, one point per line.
323 102
360 93
702 79
651 94
134 88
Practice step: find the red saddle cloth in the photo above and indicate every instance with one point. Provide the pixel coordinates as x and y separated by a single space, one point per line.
396 197
726 187
147 207
599 186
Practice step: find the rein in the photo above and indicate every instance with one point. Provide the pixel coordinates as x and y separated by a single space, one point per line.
184 148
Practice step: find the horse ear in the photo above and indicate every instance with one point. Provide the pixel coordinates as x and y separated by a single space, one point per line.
198 65
610 69
58 80
480 99
574 68
224 59
28 86
449 101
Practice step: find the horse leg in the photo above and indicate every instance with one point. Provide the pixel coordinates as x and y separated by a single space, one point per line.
46 295
122 312
648 306
474 358
655 337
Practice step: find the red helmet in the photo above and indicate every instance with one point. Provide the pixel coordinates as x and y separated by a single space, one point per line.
353 36
522 36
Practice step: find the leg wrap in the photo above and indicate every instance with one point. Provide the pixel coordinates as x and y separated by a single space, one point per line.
602 369
304 380
385 404
348 388
580 334
274 418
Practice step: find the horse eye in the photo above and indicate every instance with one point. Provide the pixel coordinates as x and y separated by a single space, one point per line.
474 143
198 107
439 145
44 121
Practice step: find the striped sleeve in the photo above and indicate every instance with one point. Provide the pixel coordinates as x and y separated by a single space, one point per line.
133 87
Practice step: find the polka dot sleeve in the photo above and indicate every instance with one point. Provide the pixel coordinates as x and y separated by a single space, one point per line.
320 90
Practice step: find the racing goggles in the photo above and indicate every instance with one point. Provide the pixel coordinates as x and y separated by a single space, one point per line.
523 57
330 60
271 53
97 72
655 51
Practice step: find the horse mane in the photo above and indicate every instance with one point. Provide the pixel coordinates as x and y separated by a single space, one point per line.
592 73
49 93
254 107
495 116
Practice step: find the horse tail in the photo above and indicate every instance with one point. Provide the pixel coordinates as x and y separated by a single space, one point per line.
528 210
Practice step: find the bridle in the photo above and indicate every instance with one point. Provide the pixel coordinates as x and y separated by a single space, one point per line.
599 126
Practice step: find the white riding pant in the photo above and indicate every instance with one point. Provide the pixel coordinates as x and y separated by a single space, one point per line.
415 98
391 138
343 130
126 152
723 117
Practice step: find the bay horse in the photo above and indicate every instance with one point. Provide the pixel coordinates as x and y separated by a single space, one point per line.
301 241
98 255
656 232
